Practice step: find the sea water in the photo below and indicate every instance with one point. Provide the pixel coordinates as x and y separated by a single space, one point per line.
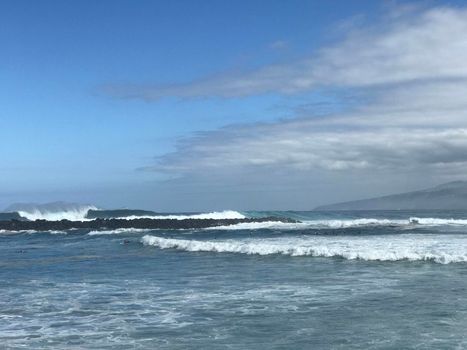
337 280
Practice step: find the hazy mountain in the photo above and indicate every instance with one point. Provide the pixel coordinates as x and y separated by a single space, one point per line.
452 195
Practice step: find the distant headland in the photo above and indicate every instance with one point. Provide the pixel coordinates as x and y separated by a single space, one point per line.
448 196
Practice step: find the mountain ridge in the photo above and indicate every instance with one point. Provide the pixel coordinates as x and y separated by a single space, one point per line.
451 195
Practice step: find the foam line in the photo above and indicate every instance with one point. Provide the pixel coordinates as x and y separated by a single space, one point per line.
437 248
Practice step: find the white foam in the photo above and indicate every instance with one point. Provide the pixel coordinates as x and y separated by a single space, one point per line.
344 223
118 231
261 225
77 213
438 221
217 215
54 232
57 232
438 248
357 222
6 232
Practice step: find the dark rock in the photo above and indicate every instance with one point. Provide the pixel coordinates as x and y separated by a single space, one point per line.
112 224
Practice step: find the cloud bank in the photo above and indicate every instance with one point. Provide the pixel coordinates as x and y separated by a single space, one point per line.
425 46
414 67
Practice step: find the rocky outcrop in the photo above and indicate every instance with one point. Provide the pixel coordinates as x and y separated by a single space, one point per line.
112 224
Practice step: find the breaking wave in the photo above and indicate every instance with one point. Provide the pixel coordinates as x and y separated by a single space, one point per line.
53 211
436 248
72 213
438 221
118 231
57 211
344 223
217 215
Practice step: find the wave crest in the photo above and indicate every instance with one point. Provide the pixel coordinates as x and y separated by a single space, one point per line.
118 231
216 215
439 249
344 223
438 221
54 211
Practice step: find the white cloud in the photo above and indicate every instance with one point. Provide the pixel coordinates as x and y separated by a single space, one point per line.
414 127
278 45
430 45
300 148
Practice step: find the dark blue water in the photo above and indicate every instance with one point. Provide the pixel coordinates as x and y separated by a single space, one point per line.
340 284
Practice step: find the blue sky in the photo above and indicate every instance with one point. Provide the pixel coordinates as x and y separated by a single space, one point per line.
187 105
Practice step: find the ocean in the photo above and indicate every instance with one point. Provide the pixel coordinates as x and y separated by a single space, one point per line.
334 280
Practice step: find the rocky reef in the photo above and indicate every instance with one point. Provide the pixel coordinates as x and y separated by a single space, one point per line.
112 224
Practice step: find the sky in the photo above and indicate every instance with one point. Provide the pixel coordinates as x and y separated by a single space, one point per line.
244 105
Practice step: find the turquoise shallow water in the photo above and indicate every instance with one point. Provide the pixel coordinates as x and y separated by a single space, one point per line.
331 283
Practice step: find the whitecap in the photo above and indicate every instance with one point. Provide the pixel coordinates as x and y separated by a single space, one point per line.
72 213
344 223
118 231
438 248
216 215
